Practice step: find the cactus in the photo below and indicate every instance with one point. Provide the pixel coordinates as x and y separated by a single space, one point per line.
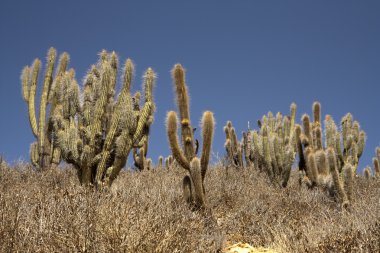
348 145
342 149
160 161
273 146
367 173
193 183
2 162
97 135
44 152
149 164
168 161
376 166
140 160
234 151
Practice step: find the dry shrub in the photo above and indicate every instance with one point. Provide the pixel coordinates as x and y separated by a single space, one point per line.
145 212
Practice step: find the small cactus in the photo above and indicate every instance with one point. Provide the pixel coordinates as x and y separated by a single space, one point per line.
367 173
193 183
160 161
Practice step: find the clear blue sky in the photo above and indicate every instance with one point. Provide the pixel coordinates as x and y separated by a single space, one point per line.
243 58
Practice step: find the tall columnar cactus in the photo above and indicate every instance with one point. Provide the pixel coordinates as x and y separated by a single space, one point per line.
273 147
44 152
341 152
97 134
193 184
234 149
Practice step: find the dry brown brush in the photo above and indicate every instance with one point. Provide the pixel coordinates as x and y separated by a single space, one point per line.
145 212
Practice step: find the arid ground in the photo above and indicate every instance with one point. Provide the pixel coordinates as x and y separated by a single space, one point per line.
145 212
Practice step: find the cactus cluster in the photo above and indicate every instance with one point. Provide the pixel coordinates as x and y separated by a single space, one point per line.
167 160
95 130
95 133
193 184
331 165
44 152
272 148
234 148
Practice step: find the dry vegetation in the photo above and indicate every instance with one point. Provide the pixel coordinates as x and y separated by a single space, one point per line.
145 212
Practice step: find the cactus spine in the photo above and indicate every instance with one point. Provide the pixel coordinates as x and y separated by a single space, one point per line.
44 152
193 184
97 135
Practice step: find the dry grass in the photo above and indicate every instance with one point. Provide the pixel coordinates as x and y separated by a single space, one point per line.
145 212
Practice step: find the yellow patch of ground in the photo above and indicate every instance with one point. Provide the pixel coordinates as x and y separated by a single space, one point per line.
246 248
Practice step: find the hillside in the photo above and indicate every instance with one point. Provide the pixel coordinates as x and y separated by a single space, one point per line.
145 212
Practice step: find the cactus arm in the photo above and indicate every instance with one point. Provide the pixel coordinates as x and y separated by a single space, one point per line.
318 137
149 79
196 176
44 99
141 160
178 74
348 180
293 111
100 104
317 112
335 175
32 96
361 143
144 116
56 159
186 188
123 148
267 157
171 125
25 76
208 125
114 62
34 156
307 128
338 149
62 64
160 161
119 163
